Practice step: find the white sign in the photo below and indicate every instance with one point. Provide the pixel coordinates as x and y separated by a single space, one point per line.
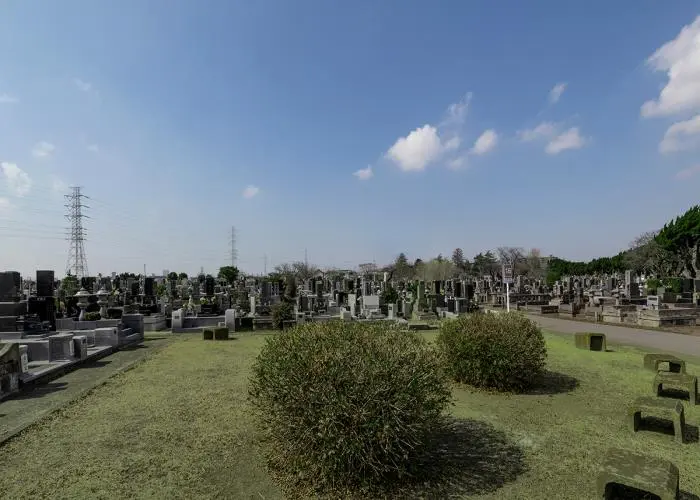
508 274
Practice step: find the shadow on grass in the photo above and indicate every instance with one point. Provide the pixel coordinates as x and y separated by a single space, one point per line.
664 426
149 339
41 390
554 383
675 394
133 347
619 491
96 364
467 457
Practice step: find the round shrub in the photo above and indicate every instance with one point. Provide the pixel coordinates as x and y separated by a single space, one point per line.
503 351
346 405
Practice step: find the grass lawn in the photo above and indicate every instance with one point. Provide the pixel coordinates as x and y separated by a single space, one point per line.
176 426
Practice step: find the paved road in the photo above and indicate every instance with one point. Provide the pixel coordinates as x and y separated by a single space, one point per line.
660 341
26 408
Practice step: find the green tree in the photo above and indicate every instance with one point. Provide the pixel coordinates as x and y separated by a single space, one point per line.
681 237
290 289
70 284
458 258
389 295
172 275
229 273
402 268
182 276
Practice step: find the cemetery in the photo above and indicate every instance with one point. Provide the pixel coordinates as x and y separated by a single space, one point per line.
423 380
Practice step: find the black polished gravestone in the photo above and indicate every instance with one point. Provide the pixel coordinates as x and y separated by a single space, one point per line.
10 286
135 288
44 284
148 287
45 308
209 283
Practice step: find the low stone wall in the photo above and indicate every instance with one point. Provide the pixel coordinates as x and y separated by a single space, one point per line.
656 318
194 324
154 323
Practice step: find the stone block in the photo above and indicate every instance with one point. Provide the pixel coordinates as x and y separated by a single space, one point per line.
591 341
80 346
667 409
653 361
672 380
24 358
106 337
623 469
230 319
220 333
208 334
61 347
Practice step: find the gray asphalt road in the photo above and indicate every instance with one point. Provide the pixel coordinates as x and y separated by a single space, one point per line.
660 341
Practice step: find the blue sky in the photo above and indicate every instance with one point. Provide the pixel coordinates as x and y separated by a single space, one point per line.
484 124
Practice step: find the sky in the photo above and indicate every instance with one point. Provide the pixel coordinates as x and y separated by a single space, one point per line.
348 132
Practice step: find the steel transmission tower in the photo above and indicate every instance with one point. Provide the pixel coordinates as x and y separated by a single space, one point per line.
234 252
77 262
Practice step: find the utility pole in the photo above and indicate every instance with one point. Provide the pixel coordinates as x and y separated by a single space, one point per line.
77 262
234 253
306 259
265 264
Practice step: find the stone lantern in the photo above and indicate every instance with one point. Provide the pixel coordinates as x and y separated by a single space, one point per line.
102 295
82 297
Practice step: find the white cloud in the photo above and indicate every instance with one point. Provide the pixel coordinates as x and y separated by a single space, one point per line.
364 173
250 192
556 92
544 130
8 99
58 185
681 136
5 207
94 148
457 112
457 162
82 85
680 59
486 142
452 143
17 179
571 139
43 149
687 173
417 150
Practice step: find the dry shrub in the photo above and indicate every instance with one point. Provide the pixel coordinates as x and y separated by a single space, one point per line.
504 351
347 406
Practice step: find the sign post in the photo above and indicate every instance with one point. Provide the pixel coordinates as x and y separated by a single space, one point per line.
507 279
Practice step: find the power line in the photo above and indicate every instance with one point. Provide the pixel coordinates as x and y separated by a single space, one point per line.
77 262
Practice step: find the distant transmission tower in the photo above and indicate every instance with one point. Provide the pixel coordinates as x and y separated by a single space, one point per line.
77 262
234 252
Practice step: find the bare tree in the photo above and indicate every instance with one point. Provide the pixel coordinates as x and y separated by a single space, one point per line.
533 264
510 255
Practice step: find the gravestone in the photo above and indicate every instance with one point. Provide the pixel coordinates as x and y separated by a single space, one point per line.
10 284
44 283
